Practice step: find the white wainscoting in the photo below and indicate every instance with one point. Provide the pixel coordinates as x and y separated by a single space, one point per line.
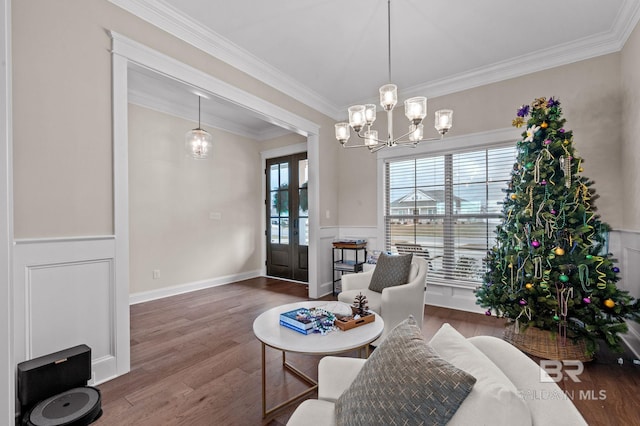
625 246
328 234
66 295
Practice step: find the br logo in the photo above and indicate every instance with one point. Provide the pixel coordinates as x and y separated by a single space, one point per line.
556 371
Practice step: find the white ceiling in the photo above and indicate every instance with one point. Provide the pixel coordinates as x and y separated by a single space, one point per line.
333 53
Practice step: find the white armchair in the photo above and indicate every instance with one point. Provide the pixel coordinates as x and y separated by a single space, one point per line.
394 304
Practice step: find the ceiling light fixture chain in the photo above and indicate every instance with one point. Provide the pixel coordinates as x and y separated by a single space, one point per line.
361 117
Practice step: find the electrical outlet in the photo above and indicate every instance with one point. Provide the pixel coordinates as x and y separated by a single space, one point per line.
156 274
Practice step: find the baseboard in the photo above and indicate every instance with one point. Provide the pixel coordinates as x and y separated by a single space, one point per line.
147 296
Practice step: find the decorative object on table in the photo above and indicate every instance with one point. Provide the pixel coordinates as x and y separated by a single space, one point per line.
339 309
305 321
550 272
360 305
360 314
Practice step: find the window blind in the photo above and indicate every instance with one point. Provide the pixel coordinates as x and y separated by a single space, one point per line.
445 208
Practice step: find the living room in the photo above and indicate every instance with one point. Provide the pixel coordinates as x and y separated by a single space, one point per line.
65 187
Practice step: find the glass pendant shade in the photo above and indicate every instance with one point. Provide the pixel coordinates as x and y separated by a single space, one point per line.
415 109
388 96
371 137
357 117
416 132
370 114
444 120
342 132
197 143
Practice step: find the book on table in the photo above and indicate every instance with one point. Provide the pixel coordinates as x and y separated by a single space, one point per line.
294 328
299 318
303 318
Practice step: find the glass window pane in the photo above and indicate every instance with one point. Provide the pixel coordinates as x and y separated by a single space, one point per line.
284 231
402 174
303 207
284 174
470 198
274 203
430 200
274 182
303 173
303 232
274 230
430 171
469 167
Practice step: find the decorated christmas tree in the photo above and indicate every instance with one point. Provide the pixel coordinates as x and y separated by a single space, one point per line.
550 267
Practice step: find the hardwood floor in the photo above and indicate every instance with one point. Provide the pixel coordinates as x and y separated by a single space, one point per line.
195 361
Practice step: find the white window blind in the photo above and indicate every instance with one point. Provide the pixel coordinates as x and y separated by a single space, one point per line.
446 208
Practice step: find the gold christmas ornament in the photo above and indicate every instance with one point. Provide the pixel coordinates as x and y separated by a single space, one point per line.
514 196
609 303
559 251
529 286
544 125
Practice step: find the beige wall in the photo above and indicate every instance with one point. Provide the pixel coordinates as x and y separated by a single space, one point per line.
62 113
172 196
631 129
591 96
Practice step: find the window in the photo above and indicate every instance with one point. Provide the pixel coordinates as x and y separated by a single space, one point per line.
446 208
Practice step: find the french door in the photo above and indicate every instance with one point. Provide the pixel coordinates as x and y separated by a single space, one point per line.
288 217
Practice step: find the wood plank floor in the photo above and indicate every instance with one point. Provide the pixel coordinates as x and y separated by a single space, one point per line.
195 361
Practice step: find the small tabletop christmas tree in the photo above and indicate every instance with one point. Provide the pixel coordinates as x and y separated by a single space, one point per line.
550 267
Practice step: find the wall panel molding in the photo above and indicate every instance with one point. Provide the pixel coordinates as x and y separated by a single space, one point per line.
625 246
66 295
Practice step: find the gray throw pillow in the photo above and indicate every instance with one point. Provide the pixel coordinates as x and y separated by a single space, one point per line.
390 271
404 382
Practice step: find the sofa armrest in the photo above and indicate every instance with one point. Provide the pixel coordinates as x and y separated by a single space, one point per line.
358 281
546 400
335 374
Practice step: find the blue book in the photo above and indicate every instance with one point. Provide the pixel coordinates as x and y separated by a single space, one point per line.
293 327
300 318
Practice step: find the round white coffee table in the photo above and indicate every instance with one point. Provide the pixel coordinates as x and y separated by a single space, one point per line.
268 330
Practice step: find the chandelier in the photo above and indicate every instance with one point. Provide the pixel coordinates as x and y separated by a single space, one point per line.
197 142
361 117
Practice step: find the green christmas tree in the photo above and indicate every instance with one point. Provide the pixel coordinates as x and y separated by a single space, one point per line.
550 267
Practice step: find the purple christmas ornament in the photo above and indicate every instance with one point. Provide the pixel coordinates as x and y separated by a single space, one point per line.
586 300
522 302
488 312
616 269
547 142
553 211
543 182
535 243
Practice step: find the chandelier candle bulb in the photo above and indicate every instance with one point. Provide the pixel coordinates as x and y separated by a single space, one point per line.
342 132
444 120
388 96
371 137
357 117
417 133
370 113
416 109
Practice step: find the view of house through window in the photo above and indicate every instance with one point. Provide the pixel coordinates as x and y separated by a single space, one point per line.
445 208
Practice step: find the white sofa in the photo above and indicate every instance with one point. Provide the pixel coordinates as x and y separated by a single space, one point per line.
499 369
394 304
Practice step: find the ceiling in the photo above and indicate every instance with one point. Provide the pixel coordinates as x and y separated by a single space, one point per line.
332 53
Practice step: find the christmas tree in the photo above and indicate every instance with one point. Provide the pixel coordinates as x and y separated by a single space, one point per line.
550 267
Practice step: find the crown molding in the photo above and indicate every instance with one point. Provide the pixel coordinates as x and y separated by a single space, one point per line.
156 103
169 19
174 22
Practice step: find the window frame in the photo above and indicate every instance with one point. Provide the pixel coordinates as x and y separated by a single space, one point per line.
500 138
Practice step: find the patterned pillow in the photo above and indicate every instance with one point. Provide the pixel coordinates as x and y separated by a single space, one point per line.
404 382
390 271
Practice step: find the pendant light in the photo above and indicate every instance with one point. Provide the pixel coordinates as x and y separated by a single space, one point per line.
197 142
